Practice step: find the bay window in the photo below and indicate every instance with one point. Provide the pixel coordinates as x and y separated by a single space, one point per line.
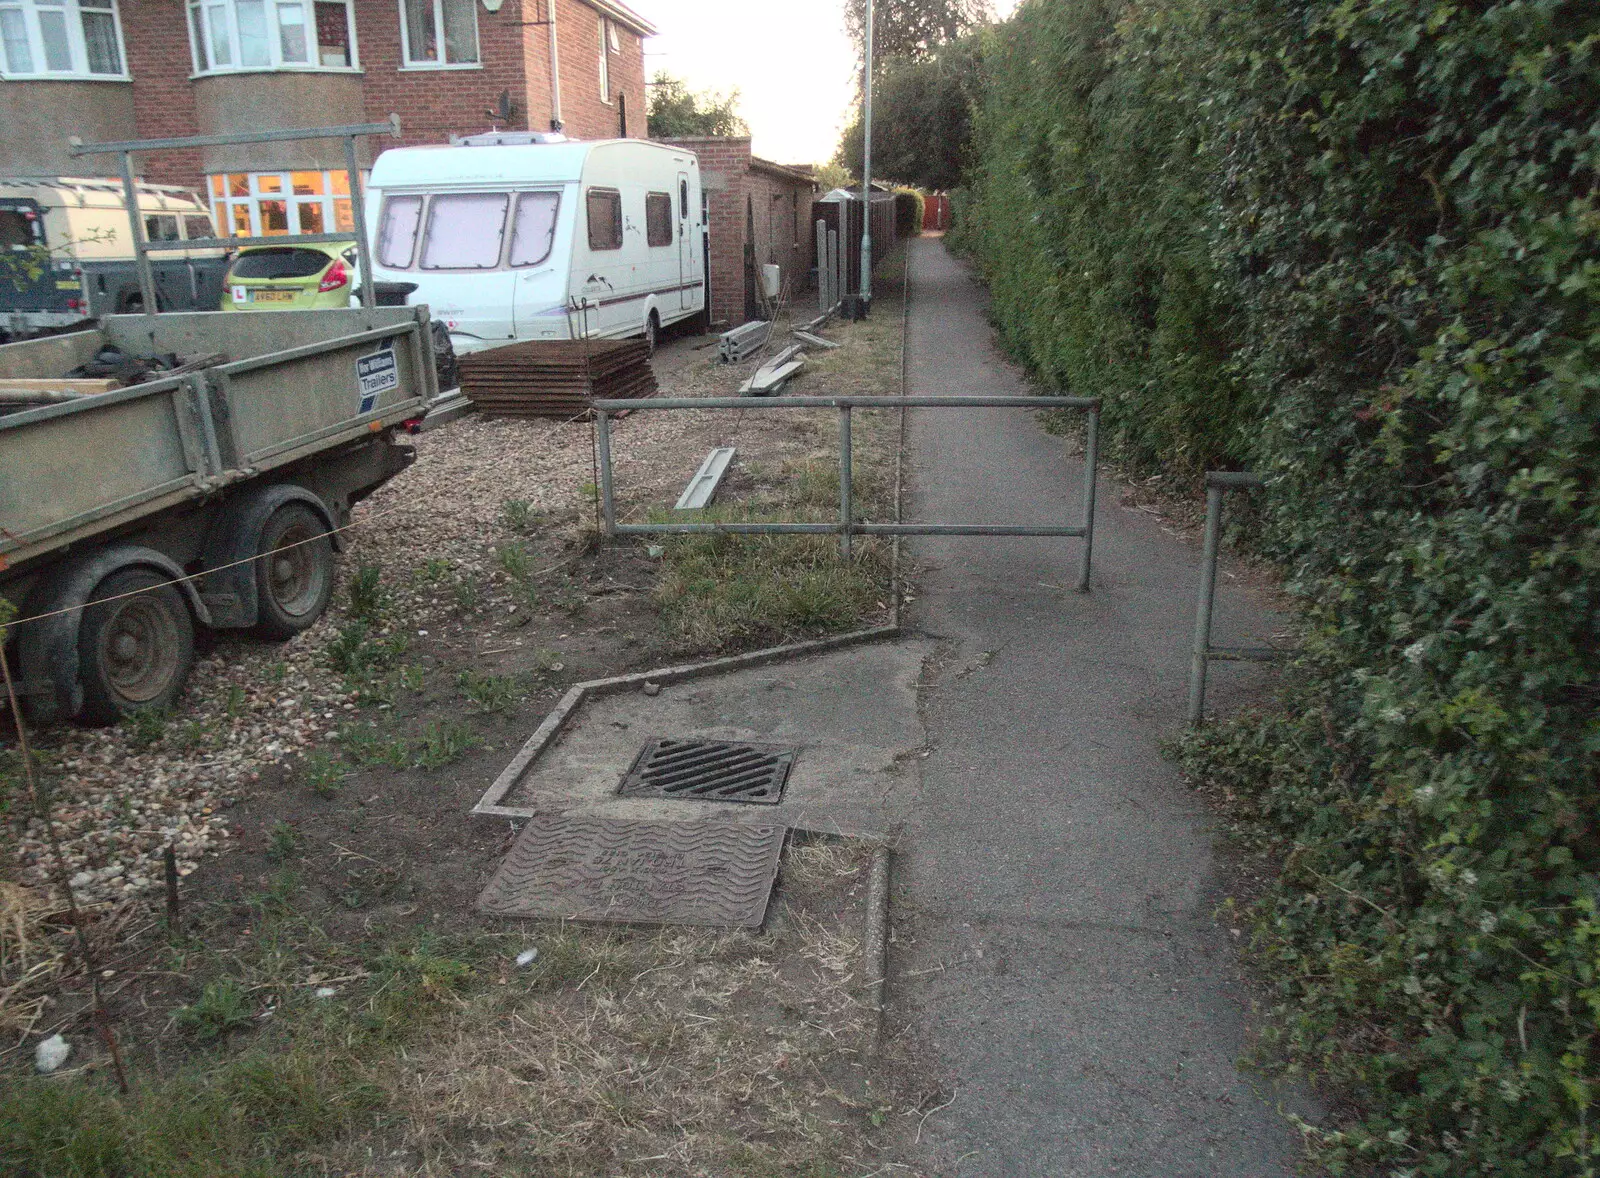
272 204
229 35
438 34
61 39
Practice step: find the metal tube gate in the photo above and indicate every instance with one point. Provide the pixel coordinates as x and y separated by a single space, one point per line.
848 526
1202 651
143 248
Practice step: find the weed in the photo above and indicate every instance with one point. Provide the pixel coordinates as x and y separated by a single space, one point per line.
221 1009
324 775
423 969
192 736
489 693
518 514
466 594
432 571
146 726
236 701
548 660
516 562
283 842
367 746
411 677
276 672
440 744
363 660
368 598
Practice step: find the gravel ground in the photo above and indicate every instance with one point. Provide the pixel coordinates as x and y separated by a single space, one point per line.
123 794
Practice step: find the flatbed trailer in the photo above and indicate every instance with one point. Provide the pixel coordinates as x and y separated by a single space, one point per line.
211 498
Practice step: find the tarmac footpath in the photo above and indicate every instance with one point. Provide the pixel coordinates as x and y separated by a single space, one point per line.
1054 938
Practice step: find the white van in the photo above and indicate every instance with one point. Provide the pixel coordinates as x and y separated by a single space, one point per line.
66 257
524 236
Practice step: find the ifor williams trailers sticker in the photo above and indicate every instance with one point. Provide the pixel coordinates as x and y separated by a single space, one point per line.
376 374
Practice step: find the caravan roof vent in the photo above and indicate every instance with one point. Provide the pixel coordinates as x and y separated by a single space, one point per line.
508 138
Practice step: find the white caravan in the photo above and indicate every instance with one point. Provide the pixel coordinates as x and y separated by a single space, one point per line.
525 236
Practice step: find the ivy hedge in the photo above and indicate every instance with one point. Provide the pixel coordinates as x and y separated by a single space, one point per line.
1355 245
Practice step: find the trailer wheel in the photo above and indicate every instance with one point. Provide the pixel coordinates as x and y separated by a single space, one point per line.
135 646
652 329
294 572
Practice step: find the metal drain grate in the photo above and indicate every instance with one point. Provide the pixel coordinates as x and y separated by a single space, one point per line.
710 771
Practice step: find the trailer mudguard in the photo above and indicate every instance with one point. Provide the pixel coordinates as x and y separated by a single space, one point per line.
47 650
230 592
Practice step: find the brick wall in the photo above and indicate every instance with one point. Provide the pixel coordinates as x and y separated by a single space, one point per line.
156 37
743 209
585 115
433 104
514 53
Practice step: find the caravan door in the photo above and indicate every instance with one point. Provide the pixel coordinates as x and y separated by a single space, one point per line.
685 246
539 264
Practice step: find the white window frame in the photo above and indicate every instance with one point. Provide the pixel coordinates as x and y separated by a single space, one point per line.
605 60
222 205
205 67
406 64
77 44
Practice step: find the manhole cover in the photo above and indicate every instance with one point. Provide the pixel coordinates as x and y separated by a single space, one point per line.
626 870
710 771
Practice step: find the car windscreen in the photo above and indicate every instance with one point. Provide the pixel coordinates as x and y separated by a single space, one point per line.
280 262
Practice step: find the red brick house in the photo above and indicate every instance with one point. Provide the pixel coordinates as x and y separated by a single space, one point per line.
759 212
126 69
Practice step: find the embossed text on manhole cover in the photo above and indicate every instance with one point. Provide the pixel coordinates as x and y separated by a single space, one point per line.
629 870
710 771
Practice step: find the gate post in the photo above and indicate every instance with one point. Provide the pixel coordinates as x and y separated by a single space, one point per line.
1091 462
602 423
822 267
844 483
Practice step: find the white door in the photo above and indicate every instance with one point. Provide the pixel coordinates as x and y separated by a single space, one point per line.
686 246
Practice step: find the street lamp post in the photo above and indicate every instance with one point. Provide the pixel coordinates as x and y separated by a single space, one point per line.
866 174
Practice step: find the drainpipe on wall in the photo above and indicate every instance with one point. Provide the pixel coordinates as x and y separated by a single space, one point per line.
555 70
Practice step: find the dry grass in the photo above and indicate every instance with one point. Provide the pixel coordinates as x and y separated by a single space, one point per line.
617 1052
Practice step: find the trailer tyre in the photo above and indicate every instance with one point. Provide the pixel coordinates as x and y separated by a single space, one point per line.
294 572
135 646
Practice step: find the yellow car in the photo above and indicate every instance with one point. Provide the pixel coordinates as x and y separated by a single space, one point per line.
288 277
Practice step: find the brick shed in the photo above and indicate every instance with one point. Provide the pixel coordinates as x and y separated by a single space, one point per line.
759 213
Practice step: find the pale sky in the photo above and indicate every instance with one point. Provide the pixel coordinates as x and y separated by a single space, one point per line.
792 64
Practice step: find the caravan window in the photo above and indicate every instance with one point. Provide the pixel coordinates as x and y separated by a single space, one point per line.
535 229
195 226
465 231
658 218
160 227
17 230
604 207
397 235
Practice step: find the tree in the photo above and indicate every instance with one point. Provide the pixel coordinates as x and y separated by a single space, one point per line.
913 29
921 118
676 112
833 175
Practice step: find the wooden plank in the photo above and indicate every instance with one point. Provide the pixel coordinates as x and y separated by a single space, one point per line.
82 386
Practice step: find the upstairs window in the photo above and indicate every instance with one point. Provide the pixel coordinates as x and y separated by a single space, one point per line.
605 60
658 218
231 35
438 34
61 39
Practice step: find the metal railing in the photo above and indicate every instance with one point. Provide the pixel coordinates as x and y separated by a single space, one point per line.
143 248
1217 482
847 526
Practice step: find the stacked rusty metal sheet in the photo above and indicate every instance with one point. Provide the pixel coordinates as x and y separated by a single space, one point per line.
556 378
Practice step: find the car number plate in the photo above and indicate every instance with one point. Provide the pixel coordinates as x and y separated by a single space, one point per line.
272 296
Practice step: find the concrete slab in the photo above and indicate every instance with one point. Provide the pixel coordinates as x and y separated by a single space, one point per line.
852 712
